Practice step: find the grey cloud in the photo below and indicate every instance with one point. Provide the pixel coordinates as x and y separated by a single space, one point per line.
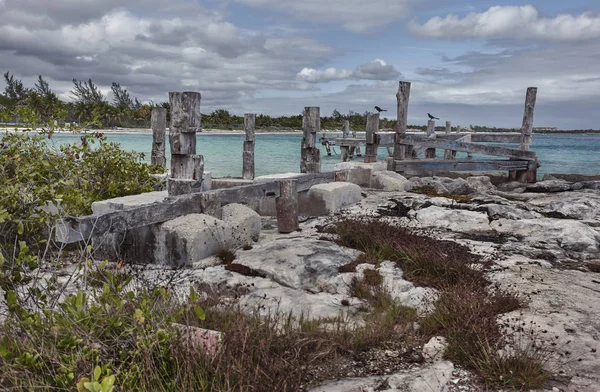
150 51
374 70
353 15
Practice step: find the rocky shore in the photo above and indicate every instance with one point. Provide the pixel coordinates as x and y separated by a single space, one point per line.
542 241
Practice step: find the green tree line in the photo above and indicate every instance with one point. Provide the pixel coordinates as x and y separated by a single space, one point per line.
90 107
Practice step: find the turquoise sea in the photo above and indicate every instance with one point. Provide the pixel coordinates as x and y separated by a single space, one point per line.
279 153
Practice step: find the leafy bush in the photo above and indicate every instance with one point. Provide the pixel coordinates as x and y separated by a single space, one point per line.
41 180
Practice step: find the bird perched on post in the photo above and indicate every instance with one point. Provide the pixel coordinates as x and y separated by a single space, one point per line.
380 109
431 117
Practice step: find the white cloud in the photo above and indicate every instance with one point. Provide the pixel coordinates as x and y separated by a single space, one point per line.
519 22
374 70
353 15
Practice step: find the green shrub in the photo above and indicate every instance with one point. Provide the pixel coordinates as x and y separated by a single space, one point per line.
36 174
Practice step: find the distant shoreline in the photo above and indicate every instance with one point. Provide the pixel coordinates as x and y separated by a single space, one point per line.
148 131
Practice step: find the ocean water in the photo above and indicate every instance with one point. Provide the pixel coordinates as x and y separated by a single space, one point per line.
279 153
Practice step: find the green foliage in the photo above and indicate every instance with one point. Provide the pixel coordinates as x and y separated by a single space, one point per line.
41 180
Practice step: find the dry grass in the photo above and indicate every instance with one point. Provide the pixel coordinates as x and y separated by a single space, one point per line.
432 192
468 306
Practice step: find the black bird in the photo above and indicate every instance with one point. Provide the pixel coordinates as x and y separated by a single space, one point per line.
431 117
380 109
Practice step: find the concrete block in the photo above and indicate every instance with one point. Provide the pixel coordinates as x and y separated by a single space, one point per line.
135 245
191 238
222 183
120 203
245 222
388 181
273 177
360 173
330 197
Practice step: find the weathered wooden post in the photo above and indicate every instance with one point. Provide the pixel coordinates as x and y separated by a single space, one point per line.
345 150
430 152
402 151
526 131
187 168
287 206
372 138
310 154
158 123
248 157
345 128
448 153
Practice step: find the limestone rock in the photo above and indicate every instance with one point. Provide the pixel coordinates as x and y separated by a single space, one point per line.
498 211
433 378
303 264
455 220
433 350
552 186
405 292
575 238
388 181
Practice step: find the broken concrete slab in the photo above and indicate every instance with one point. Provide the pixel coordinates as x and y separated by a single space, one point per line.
120 203
388 181
188 239
330 197
360 173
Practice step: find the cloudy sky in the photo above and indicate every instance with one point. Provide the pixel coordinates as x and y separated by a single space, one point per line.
470 62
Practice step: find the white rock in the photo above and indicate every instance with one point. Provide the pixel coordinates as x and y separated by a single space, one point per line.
433 350
388 181
300 263
577 239
433 378
330 197
455 220
405 292
498 211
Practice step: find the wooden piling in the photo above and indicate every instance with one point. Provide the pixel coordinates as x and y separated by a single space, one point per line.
287 206
345 128
158 123
310 154
527 176
372 138
345 153
185 122
248 154
430 152
448 153
402 151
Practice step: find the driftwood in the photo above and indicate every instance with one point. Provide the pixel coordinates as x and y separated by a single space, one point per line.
287 206
158 123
